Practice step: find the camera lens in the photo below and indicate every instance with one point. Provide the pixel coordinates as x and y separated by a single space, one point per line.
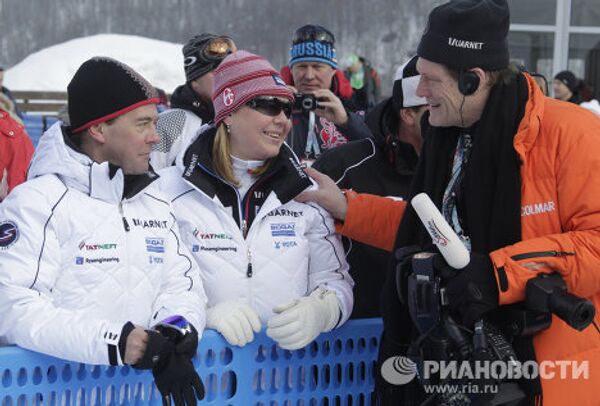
307 103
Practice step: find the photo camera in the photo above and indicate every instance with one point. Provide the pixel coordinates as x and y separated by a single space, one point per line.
305 102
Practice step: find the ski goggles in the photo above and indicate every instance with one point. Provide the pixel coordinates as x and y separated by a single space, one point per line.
270 106
218 48
313 33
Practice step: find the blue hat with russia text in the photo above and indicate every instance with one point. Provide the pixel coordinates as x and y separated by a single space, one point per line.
313 43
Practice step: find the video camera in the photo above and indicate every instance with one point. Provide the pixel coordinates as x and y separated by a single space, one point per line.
441 338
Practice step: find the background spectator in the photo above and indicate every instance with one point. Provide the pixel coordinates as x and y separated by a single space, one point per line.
315 73
11 107
16 150
365 82
191 104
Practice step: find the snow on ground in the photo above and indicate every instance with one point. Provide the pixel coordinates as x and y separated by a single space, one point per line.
52 68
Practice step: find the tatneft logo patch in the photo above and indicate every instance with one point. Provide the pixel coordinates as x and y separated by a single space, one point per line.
283 230
211 236
84 246
537 208
9 234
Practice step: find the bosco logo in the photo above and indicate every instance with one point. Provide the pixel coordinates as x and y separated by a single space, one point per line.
9 234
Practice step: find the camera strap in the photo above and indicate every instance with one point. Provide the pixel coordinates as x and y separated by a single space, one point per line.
312 143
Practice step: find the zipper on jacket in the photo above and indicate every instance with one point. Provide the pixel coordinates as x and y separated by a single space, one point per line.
125 223
237 193
245 215
249 270
540 254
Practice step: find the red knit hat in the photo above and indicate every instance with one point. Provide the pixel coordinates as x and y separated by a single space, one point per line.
241 77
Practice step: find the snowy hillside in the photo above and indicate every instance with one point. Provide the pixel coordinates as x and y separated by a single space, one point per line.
52 68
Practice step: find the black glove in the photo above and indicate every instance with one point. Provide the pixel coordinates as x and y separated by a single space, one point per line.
471 291
185 344
178 378
158 347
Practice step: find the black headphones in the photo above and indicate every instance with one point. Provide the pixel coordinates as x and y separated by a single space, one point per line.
468 82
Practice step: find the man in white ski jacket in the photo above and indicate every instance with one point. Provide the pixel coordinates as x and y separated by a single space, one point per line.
91 265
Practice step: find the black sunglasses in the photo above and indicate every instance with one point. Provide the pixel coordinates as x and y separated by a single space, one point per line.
270 106
313 33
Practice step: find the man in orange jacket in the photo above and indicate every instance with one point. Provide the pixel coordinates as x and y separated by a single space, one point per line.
16 150
514 173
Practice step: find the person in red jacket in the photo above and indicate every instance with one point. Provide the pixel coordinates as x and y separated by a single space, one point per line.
16 150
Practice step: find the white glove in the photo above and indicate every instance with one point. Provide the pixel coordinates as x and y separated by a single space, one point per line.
296 324
236 321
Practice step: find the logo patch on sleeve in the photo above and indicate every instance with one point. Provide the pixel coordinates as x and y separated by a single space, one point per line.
9 234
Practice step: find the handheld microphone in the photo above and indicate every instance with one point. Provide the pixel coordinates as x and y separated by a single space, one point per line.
451 247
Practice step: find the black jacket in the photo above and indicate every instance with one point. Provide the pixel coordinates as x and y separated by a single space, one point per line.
382 166
185 98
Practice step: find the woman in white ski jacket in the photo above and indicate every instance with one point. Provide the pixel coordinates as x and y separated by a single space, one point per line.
265 259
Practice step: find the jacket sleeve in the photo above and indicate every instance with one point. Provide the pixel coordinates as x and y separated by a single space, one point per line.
372 220
574 253
30 265
22 152
355 128
182 292
16 150
328 267
177 128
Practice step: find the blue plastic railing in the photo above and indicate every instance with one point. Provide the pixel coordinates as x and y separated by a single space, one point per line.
35 125
338 366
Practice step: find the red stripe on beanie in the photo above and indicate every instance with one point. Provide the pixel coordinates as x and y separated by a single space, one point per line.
115 114
253 75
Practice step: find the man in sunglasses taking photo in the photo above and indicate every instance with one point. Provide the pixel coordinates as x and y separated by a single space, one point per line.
325 120
191 102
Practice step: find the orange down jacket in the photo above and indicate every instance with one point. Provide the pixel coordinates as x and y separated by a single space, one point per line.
559 145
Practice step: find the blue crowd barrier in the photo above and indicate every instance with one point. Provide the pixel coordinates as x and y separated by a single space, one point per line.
336 369
35 125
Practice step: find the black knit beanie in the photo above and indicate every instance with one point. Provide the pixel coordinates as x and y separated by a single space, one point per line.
195 62
568 78
463 34
104 88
